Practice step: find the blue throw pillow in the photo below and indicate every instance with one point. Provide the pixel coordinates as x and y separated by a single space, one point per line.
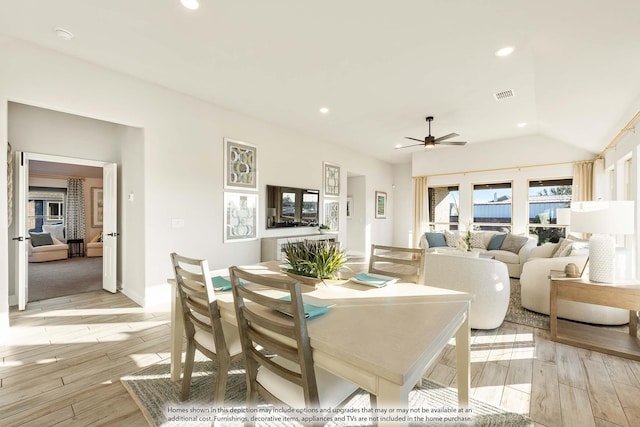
435 239
496 242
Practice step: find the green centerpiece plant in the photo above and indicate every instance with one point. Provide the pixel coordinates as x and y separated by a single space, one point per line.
319 259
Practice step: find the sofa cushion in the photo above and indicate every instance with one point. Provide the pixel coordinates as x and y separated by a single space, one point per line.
477 240
454 239
513 243
40 239
435 239
496 241
56 230
505 256
563 248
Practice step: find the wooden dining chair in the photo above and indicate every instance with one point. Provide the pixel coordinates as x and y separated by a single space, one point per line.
406 264
278 355
204 329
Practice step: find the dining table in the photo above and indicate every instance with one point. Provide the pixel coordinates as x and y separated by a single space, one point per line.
382 339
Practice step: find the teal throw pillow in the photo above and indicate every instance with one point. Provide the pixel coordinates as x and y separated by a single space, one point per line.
496 242
41 239
435 239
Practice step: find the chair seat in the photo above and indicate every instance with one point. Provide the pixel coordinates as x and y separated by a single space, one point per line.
332 390
231 337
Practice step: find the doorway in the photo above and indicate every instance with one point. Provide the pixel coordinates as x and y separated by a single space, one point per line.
76 268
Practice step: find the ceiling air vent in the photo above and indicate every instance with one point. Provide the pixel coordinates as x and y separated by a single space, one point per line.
499 96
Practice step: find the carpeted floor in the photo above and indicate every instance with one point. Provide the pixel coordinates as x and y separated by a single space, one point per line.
65 277
517 314
158 398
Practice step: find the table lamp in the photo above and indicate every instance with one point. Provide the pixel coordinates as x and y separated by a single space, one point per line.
603 219
563 217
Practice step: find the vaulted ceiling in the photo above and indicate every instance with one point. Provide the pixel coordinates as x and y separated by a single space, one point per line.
379 66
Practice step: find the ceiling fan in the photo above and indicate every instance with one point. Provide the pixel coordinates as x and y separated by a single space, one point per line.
431 141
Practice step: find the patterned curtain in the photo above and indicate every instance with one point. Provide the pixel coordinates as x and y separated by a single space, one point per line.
420 212
75 217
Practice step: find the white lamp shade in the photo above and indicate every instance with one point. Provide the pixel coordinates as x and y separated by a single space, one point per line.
563 216
603 217
271 211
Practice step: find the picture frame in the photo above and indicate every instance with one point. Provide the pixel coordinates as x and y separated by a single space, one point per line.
240 217
240 165
349 207
331 215
97 207
381 204
331 179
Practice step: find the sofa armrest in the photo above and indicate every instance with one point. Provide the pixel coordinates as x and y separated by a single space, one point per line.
543 251
525 250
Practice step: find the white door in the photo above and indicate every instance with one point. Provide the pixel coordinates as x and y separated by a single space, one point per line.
109 226
21 230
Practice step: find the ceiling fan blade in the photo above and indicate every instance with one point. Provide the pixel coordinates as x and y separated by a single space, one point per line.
415 139
442 138
412 145
452 143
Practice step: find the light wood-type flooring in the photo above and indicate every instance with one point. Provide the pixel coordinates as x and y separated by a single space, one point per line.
62 361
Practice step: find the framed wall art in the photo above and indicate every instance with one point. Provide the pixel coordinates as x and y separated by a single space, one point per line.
332 215
331 179
97 207
240 165
381 204
240 217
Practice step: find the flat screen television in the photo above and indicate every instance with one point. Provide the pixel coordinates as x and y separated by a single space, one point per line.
291 207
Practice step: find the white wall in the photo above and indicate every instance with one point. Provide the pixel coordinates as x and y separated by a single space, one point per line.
182 164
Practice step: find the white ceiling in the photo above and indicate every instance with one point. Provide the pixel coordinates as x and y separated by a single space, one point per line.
380 66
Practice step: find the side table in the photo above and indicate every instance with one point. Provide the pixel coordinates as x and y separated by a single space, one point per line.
623 294
76 247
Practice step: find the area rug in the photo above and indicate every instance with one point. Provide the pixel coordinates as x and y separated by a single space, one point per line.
64 277
159 399
517 314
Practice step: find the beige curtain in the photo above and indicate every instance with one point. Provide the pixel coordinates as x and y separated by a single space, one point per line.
582 182
420 209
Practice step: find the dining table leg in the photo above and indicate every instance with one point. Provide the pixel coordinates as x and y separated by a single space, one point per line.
177 333
463 351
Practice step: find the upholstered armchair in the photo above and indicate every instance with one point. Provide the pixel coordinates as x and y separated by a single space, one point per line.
94 247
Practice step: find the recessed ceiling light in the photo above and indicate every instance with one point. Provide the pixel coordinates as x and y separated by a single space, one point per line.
63 34
190 4
324 110
505 51
521 124
398 145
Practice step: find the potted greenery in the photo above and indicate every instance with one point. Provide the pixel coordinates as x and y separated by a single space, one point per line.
324 228
314 260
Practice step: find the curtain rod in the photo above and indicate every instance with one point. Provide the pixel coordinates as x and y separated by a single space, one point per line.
506 169
614 141
45 175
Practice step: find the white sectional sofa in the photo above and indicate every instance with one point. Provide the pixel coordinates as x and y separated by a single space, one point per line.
534 288
486 279
51 252
513 256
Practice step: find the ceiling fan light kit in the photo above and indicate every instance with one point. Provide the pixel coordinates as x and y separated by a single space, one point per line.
431 141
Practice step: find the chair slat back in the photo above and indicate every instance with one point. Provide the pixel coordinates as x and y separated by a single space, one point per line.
404 263
266 329
197 298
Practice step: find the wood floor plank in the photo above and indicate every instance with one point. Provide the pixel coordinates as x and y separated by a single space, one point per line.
628 396
490 384
570 370
602 393
545 399
576 408
515 400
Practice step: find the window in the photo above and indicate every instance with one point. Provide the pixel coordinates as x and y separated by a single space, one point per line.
545 198
443 207
492 206
45 206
